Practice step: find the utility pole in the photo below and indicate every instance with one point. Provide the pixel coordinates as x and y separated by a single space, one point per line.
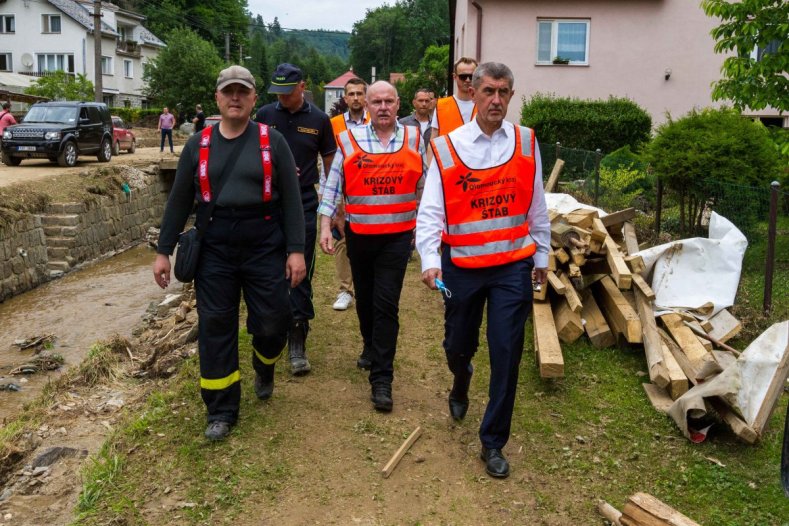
227 48
97 50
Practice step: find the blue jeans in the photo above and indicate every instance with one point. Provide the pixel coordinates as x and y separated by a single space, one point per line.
169 134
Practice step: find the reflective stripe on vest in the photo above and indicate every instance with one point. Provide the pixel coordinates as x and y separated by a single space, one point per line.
449 116
380 188
487 209
265 158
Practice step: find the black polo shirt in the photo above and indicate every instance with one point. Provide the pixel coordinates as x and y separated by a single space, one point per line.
308 133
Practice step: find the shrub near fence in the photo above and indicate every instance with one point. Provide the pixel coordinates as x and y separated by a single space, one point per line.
148 117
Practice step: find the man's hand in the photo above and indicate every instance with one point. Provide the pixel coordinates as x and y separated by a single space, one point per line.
539 275
429 277
326 240
161 270
295 269
338 221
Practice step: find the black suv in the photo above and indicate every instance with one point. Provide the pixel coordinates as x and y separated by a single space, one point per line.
60 132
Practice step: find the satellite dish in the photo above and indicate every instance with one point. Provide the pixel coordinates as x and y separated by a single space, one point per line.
27 60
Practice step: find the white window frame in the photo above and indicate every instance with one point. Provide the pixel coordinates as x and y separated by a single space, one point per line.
46 23
106 66
54 56
4 20
128 68
555 22
9 62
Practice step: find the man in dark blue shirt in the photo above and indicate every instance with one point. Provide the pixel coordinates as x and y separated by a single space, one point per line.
309 134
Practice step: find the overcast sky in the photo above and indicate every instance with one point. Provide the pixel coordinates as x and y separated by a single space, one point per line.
338 15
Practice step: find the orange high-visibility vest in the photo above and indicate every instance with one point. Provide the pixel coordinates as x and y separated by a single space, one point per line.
380 188
448 115
486 209
338 124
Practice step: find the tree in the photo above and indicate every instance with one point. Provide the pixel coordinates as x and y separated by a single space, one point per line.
184 73
432 74
61 86
756 31
694 155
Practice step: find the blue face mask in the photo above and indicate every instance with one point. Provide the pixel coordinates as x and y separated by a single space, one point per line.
443 288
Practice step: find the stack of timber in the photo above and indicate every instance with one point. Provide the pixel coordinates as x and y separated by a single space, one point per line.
642 509
596 285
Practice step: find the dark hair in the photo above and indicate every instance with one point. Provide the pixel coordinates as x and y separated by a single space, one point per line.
357 81
6 105
494 70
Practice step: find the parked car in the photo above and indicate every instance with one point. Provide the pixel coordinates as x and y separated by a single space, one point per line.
213 120
61 132
122 137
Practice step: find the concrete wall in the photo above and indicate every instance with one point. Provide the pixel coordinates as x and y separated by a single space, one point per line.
38 248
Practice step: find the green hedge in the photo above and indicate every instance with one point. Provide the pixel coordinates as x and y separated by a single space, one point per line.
587 124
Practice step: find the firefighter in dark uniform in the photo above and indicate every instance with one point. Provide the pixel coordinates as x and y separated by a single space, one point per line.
254 244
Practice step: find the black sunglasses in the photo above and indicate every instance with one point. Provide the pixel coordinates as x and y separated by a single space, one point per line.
465 76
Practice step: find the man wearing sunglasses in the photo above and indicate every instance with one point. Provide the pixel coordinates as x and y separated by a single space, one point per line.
457 109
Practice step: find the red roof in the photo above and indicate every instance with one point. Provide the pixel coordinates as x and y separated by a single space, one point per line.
340 81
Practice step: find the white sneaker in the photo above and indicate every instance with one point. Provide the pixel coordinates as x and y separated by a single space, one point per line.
344 301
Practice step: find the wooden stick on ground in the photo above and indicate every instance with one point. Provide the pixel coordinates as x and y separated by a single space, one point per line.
557 169
609 513
392 464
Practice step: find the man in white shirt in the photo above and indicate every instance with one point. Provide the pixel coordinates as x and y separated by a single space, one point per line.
483 229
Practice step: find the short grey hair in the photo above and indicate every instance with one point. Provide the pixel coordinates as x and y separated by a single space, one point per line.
494 70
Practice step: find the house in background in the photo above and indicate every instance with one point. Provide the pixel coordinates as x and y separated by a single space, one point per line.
658 53
334 90
38 37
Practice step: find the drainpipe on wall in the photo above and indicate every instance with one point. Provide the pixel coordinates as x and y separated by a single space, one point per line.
479 30
452 7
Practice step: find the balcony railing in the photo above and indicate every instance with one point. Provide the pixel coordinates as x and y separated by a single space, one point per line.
128 47
42 73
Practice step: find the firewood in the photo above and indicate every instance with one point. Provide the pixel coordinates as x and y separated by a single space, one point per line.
547 349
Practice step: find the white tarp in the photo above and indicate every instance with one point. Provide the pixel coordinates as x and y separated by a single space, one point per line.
698 274
564 204
742 385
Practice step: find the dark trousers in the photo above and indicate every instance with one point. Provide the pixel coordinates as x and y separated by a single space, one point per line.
378 264
169 135
239 254
507 290
301 296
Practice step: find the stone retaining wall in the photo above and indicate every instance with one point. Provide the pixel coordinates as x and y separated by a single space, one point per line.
39 248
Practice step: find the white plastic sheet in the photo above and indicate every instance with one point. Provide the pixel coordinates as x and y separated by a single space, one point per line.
697 274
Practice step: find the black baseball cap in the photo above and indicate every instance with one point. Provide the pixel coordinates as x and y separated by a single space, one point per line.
285 79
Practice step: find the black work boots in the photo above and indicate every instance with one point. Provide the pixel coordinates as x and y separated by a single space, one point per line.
297 347
264 383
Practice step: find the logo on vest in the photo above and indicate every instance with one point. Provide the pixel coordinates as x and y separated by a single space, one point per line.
364 162
465 180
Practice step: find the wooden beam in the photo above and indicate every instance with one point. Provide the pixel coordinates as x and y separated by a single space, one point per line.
551 259
570 293
643 286
596 327
569 326
658 372
648 510
620 315
556 283
737 425
609 513
392 464
540 292
557 170
681 358
617 218
631 241
582 217
677 380
596 265
635 264
619 270
687 341
547 348
774 390
724 326
561 256
701 334
658 397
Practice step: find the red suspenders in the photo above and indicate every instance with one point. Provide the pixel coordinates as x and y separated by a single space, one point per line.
265 156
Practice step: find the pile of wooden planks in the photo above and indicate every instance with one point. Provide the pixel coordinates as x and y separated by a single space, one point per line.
642 509
596 286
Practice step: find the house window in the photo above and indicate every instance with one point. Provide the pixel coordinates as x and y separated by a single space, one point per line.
563 41
759 52
5 62
7 24
50 23
55 62
106 65
128 69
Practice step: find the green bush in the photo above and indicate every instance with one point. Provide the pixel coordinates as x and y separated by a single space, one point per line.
148 117
587 124
714 158
620 187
